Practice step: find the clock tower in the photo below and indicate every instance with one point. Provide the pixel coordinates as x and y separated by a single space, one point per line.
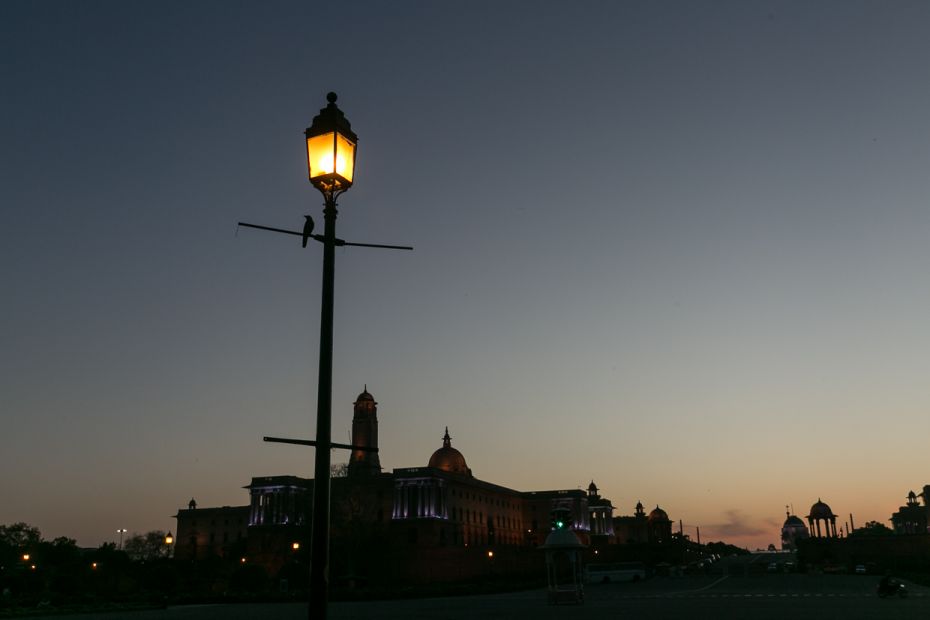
365 433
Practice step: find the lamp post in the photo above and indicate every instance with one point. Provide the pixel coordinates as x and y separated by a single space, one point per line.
331 167
121 531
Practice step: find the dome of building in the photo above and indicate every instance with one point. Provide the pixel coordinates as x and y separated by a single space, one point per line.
448 458
793 531
821 511
365 396
658 515
793 521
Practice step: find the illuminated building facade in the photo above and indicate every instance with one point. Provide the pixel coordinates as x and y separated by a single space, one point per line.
432 522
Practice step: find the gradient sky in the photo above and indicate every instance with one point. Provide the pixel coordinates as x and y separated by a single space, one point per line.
680 248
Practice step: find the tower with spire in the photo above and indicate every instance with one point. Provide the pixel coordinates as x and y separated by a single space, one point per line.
365 433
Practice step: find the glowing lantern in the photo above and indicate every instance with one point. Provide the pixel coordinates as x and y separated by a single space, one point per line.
331 149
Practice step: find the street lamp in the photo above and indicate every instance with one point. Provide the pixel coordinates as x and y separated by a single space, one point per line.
121 531
331 147
331 166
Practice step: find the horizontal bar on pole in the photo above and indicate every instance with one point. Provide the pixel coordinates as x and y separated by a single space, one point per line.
374 245
310 442
280 230
337 241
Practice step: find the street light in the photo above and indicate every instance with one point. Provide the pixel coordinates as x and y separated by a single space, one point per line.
121 531
331 166
331 148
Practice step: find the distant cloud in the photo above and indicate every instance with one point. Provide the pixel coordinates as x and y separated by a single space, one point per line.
737 524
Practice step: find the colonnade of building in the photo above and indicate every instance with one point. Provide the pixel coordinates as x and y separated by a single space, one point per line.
277 506
419 498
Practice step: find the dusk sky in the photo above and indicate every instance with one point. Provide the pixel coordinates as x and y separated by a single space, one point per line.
679 248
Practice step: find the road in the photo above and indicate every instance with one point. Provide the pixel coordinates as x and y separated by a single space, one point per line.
738 595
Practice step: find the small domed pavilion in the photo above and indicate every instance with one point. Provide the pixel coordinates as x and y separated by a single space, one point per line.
821 512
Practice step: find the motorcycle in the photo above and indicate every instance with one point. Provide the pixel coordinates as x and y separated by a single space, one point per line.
891 588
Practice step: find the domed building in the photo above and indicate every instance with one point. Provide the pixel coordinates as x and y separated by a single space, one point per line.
792 531
426 521
660 526
640 528
821 512
913 518
448 458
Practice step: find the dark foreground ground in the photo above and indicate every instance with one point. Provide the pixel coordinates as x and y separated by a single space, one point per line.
757 597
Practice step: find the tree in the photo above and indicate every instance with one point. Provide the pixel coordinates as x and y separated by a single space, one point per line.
62 550
19 535
148 546
17 539
723 549
872 528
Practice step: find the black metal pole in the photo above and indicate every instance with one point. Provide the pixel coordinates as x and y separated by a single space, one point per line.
319 540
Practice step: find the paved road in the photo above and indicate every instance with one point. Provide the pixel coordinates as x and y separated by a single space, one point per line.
759 597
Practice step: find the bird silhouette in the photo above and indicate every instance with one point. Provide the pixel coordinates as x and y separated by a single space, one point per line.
308 229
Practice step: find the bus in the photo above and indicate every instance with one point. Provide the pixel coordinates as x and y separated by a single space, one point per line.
614 571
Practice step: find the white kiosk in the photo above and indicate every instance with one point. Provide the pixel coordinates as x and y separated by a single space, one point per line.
563 567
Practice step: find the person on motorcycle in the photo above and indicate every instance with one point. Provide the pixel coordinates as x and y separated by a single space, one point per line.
887 582
889 586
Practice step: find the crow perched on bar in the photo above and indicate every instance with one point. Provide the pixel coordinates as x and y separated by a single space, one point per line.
308 229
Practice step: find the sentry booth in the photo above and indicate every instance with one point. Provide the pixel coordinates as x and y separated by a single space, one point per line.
563 567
